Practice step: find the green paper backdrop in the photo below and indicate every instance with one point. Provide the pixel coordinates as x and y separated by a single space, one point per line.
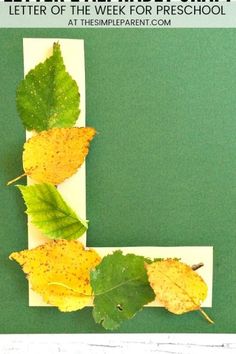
161 172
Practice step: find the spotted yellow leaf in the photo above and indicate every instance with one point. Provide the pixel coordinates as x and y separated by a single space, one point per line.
60 272
54 155
177 287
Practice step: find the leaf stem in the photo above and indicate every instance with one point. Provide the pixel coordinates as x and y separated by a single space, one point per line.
206 316
68 288
197 266
16 179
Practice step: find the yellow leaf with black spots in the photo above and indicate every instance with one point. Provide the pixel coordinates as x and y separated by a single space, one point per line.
60 272
177 286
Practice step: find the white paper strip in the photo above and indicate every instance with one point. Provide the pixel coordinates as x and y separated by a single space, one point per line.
73 189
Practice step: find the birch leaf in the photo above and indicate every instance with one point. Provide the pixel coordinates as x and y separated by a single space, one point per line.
48 97
50 213
59 271
54 155
121 289
177 287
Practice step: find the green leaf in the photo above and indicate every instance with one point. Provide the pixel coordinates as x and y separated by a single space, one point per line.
50 213
120 287
48 97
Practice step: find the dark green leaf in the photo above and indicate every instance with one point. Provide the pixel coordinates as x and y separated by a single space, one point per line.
48 97
121 289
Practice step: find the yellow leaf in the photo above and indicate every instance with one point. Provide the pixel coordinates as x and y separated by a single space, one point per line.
177 287
54 155
60 272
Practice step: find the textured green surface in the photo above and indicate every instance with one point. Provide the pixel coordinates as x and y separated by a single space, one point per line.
162 171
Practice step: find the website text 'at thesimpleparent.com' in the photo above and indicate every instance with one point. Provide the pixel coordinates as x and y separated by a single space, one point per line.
120 22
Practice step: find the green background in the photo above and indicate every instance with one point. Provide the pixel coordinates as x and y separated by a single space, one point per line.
161 172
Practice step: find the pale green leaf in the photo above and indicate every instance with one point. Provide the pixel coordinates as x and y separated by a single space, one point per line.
50 213
48 97
120 287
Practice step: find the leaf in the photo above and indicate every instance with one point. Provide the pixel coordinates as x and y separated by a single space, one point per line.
120 287
54 155
48 97
177 287
59 271
50 213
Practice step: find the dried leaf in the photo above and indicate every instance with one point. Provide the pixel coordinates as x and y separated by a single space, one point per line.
59 271
177 287
54 155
